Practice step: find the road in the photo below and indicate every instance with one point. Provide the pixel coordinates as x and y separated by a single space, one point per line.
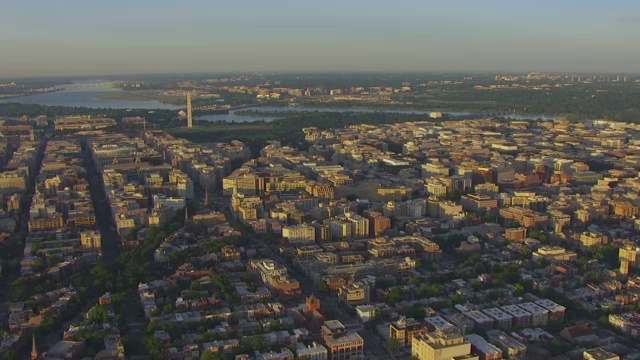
111 242
21 232
109 236
22 225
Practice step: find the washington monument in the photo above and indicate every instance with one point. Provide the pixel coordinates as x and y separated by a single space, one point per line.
189 117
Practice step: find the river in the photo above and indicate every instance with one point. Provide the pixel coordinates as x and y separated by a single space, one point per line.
83 94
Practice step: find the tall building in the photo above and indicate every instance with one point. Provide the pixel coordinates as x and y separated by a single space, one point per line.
628 255
378 223
189 117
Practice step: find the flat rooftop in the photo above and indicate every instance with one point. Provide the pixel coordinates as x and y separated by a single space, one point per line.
497 314
533 308
478 316
550 305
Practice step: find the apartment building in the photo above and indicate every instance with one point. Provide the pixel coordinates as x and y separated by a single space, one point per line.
588 239
314 351
539 315
481 320
556 312
91 240
378 223
405 329
520 317
502 320
627 323
13 182
300 233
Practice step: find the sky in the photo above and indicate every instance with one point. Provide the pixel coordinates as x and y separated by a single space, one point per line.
81 37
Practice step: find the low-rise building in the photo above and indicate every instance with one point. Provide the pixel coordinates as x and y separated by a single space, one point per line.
314 351
627 323
502 320
520 317
510 347
599 354
539 315
484 349
481 320
554 253
556 312
341 344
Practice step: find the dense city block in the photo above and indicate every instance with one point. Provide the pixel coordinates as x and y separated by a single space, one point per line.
469 238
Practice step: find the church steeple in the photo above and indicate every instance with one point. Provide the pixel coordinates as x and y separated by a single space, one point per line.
312 303
206 198
34 350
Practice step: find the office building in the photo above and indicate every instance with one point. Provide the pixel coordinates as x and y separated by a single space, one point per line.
477 203
341 344
441 345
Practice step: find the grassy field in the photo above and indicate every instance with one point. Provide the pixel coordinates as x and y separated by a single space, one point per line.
223 132
253 135
135 96
287 130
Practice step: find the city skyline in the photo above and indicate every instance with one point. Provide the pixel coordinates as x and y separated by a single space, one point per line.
320 180
200 37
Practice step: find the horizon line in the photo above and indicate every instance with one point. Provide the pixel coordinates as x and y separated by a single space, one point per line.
320 72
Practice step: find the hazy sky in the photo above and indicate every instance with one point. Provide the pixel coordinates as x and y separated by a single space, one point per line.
78 37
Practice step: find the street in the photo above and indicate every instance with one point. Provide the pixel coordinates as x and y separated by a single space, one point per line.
104 220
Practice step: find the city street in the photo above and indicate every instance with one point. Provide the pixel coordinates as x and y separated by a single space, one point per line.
106 226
